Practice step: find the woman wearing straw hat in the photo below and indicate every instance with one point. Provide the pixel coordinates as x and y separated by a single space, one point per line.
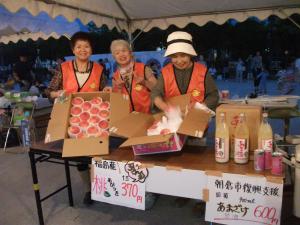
183 76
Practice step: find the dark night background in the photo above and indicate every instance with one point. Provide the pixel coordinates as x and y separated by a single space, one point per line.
271 37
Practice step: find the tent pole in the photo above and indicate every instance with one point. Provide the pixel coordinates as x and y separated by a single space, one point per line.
118 26
294 22
141 31
290 19
128 20
122 9
131 39
130 34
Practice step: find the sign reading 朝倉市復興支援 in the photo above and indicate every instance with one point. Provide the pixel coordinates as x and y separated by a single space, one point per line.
119 183
243 200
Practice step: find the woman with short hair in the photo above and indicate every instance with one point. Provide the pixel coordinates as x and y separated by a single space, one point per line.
132 78
80 74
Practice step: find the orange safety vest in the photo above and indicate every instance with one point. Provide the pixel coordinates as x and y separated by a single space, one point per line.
196 85
70 82
139 94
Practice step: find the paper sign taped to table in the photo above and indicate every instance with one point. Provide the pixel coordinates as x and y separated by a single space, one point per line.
119 183
243 200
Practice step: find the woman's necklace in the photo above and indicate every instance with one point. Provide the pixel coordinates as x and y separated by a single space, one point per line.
126 73
86 67
126 69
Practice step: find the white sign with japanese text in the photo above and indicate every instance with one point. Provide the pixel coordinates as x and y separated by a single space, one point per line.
243 200
119 183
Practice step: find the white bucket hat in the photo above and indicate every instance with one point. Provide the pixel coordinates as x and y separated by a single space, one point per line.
180 41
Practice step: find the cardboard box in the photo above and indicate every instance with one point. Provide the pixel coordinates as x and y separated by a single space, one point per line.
173 143
135 125
59 123
253 119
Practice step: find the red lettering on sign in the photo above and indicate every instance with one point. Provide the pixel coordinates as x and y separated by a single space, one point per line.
265 212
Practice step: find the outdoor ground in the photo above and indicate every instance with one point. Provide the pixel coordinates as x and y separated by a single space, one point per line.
17 202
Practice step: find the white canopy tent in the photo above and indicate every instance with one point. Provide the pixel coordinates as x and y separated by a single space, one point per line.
130 15
23 26
146 14
25 35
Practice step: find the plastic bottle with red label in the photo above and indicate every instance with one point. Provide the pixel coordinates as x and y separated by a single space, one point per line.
241 141
265 140
265 134
222 140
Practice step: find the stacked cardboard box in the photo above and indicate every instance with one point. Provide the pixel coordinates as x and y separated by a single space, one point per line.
253 119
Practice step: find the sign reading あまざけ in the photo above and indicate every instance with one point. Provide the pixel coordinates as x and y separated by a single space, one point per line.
243 200
119 183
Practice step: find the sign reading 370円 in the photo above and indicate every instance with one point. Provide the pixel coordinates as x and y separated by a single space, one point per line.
119 183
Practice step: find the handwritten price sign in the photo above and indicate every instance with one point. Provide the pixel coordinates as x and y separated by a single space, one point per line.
119 183
243 200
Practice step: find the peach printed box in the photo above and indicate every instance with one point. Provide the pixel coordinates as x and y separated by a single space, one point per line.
174 144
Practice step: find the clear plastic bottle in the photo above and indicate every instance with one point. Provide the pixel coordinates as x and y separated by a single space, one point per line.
265 134
222 140
241 141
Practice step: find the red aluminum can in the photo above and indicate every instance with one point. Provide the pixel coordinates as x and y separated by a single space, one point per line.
276 163
268 159
259 159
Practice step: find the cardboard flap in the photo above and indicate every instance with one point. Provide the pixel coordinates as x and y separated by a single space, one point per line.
119 107
146 140
239 106
85 147
158 116
134 124
58 122
182 101
194 123
90 95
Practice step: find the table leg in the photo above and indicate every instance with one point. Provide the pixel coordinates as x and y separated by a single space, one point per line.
69 184
297 190
36 188
286 128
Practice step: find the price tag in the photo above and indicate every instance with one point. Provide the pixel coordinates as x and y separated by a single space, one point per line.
119 183
243 200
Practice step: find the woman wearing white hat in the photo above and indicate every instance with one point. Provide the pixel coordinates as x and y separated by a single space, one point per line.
183 76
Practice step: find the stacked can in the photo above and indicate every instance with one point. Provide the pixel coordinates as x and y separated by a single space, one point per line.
268 159
259 159
276 163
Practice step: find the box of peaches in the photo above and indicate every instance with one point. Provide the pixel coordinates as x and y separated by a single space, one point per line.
164 132
82 120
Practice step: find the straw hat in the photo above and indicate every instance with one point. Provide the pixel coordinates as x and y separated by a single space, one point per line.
180 41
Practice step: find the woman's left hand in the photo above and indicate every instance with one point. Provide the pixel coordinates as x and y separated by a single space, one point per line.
140 80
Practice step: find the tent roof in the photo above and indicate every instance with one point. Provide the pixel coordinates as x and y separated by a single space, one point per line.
22 25
146 14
